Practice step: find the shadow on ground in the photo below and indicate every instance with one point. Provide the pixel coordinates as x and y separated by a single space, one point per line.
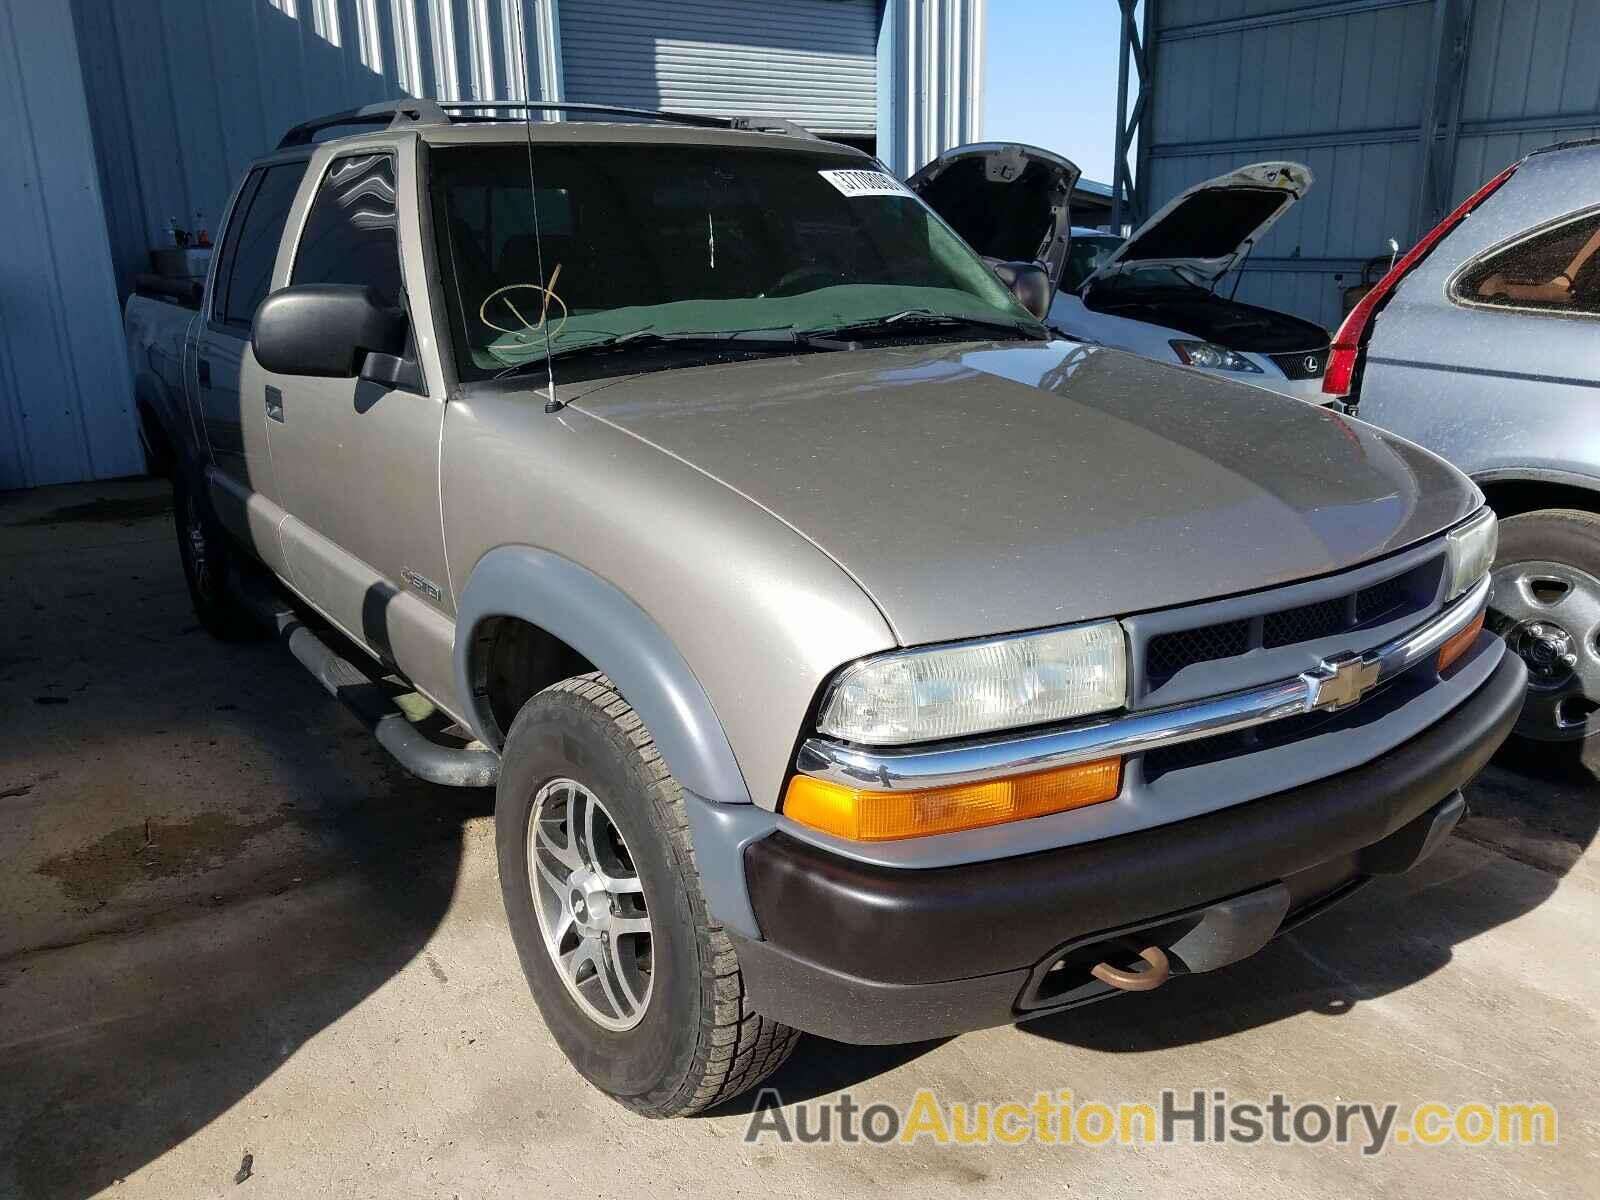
208 861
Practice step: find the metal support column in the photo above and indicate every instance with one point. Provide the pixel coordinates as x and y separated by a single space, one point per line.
1441 113
1132 126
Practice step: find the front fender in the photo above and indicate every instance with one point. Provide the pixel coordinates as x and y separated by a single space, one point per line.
601 623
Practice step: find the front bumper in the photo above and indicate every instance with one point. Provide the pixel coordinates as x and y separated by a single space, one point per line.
871 954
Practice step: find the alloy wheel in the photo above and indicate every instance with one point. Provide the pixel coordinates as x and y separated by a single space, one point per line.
590 904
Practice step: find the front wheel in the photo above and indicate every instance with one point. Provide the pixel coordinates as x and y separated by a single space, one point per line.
1546 603
638 984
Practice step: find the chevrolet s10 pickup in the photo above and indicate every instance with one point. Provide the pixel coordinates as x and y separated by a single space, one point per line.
849 655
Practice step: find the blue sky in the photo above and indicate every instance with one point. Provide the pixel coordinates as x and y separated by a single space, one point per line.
1051 78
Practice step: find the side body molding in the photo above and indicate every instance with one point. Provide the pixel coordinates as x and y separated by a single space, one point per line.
618 637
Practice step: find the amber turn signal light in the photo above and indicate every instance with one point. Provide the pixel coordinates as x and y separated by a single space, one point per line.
886 816
1457 645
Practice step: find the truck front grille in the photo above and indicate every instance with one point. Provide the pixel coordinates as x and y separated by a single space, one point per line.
1220 648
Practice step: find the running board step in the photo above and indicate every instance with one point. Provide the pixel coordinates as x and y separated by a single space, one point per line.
368 700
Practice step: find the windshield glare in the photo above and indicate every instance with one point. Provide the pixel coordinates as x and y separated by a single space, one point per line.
679 240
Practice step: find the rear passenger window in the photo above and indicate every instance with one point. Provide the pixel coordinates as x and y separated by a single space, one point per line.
250 248
351 233
1554 270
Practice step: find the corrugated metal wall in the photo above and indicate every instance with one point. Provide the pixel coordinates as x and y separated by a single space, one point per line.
184 93
1532 78
1344 86
931 60
65 403
812 61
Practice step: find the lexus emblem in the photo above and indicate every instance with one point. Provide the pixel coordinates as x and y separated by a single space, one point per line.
1337 682
1312 364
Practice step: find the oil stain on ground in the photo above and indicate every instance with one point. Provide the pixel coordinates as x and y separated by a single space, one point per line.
94 873
104 510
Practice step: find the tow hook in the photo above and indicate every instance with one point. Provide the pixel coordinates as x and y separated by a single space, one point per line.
1136 981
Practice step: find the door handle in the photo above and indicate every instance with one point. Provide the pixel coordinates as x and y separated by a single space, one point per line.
203 370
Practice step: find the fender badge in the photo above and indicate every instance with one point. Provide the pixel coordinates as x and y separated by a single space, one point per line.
421 583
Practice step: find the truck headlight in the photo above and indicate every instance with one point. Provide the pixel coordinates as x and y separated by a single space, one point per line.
1213 357
1471 550
977 687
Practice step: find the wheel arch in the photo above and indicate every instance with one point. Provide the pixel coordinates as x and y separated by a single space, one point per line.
607 631
1512 491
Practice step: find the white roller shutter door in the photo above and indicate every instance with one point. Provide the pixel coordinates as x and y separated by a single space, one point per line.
811 61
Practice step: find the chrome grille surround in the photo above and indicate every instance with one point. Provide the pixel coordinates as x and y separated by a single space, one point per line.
1323 686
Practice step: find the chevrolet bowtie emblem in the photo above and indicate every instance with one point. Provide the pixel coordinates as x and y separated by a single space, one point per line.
1336 682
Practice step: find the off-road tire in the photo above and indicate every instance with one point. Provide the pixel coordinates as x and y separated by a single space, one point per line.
207 567
698 1042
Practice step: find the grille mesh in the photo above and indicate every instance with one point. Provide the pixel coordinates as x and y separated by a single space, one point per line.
1322 619
1169 653
1304 365
1377 602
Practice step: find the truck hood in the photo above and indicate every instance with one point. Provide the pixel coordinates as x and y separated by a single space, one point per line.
1205 228
979 489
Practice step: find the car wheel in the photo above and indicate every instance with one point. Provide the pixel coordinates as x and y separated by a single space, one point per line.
1546 603
207 558
639 986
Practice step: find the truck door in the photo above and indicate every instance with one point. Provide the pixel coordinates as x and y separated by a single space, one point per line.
358 462
243 489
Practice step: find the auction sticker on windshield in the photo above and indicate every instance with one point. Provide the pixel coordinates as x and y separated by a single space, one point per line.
865 183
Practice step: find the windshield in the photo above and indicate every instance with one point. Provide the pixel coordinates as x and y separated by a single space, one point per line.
1145 277
661 239
1084 255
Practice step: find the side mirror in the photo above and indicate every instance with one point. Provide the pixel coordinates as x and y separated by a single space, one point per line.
327 330
1029 283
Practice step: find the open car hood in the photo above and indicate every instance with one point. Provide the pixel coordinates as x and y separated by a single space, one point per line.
1206 228
1009 201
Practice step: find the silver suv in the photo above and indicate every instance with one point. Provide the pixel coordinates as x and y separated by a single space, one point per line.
1482 345
848 655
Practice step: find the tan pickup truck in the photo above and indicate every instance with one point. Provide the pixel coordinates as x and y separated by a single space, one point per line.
848 654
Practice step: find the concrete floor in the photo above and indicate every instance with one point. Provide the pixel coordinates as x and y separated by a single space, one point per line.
232 927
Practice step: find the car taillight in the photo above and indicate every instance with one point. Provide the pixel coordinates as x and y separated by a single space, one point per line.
1346 350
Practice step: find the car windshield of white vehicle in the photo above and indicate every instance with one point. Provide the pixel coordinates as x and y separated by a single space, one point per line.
1084 255
1557 269
1163 278
670 248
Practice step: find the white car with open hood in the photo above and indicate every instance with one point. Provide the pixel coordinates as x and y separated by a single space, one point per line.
1157 293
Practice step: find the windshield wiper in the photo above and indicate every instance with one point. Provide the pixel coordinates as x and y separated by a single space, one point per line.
759 341
922 319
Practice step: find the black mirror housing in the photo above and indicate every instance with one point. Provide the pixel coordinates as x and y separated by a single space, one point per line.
326 330
1029 283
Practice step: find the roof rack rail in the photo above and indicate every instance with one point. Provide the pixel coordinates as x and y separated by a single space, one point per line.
615 110
386 112
772 125
438 112
754 124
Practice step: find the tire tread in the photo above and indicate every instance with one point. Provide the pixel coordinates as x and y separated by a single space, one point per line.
736 1047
